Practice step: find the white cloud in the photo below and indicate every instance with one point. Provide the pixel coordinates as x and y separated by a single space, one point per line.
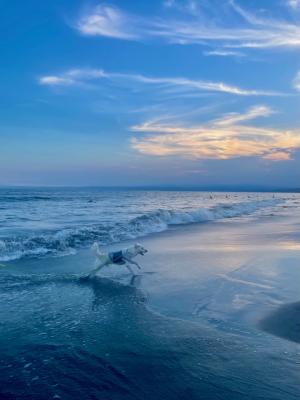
53 80
252 113
86 73
80 76
224 53
200 85
106 21
253 32
219 139
297 82
294 4
72 77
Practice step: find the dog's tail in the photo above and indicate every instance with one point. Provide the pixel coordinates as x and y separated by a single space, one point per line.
95 247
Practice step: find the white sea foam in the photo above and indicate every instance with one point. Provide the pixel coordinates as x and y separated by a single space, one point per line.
66 241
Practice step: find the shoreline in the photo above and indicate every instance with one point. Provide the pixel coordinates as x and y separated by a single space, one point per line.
24 241
187 264
188 323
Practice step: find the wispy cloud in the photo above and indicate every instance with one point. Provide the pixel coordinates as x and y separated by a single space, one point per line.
52 80
107 21
252 113
297 81
242 30
219 139
224 53
72 77
294 4
80 76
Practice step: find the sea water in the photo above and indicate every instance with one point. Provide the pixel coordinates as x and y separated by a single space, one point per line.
65 338
58 221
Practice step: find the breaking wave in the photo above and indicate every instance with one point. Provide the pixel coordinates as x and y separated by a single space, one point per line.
66 241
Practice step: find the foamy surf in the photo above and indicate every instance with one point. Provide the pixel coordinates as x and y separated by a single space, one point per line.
65 241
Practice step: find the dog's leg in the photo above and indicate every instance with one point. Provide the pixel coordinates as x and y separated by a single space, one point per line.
129 269
94 271
137 264
132 262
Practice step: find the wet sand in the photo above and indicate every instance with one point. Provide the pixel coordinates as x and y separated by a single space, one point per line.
189 327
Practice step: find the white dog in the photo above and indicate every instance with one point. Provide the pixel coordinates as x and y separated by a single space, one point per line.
122 257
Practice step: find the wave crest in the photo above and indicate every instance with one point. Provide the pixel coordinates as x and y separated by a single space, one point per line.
66 241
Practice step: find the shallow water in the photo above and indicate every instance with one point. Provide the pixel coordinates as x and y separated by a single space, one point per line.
185 329
93 340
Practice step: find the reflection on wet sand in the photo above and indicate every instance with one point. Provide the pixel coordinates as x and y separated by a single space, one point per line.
105 290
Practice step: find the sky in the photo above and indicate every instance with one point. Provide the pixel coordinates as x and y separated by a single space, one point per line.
160 92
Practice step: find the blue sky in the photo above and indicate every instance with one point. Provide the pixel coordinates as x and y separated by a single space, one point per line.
193 92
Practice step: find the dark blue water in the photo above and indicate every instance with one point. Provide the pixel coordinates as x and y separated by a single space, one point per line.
61 338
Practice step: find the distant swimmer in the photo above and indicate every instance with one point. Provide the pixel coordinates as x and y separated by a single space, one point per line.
121 257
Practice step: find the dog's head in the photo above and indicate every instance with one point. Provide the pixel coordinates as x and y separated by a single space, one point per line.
140 249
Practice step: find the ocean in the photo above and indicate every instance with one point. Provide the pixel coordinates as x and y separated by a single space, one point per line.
56 222
190 326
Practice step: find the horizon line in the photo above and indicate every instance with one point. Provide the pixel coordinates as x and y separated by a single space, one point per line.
216 188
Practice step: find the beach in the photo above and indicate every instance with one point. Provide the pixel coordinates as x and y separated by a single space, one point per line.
150 200
213 314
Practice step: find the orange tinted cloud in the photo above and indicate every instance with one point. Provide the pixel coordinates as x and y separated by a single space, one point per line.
219 139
